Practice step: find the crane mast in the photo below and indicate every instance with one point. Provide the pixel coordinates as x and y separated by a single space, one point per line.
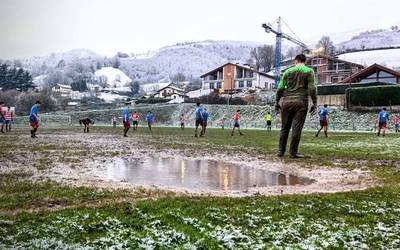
278 46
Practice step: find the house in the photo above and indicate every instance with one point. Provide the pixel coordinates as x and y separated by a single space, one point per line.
232 76
171 91
375 73
62 90
328 69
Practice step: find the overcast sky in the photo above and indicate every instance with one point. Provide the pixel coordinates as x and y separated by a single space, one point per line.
39 27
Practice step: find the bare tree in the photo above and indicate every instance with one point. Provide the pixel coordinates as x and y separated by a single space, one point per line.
263 57
293 51
327 45
178 77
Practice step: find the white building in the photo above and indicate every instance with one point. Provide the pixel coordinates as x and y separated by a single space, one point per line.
62 90
236 77
176 94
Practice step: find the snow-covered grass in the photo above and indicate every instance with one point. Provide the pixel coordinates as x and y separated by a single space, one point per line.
46 215
363 220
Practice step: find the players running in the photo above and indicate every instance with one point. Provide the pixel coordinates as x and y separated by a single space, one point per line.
2 117
149 119
236 122
383 118
135 120
182 121
199 119
205 120
34 118
125 120
396 123
323 120
9 117
86 123
268 120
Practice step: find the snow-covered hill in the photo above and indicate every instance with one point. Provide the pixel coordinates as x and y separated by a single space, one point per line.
190 59
388 57
372 39
112 77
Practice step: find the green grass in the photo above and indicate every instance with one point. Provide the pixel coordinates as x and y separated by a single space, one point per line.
45 214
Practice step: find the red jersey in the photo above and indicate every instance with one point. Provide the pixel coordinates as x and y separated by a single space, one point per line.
135 117
8 115
236 116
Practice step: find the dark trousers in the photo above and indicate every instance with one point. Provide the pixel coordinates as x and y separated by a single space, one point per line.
293 115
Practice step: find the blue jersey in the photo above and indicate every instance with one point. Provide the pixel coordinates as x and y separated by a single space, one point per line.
323 113
205 116
33 116
149 117
125 114
383 117
199 113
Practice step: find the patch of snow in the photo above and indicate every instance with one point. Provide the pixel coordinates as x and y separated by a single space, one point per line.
389 57
113 77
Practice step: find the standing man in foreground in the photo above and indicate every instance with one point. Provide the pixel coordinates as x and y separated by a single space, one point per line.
296 85
34 118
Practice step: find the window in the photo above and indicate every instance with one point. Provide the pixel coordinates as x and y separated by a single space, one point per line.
211 85
249 84
219 85
241 84
239 73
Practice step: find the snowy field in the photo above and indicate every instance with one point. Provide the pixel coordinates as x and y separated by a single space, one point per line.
55 193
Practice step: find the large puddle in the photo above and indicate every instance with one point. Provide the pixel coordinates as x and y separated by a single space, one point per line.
207 175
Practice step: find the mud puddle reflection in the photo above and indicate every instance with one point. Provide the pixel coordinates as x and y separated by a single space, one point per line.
207 175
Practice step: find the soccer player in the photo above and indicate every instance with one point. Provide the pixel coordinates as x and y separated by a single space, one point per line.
205 120
125 120
149 119
323 120
114 121
396 123
199 119
86 123
34 118
182 121
236 122
222 123
2 117
8 116
135 120
297 83
383 118
268 120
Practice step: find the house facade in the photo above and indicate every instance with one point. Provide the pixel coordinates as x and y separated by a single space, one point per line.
176 94
230 76
374 74
328 69
62 90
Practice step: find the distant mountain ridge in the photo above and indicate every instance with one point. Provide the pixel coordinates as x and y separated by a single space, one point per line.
190 59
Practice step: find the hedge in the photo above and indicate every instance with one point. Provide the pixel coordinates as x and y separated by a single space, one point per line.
340 89
374 96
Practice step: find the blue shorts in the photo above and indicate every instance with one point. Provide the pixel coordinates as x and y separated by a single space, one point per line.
236 125
2 121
